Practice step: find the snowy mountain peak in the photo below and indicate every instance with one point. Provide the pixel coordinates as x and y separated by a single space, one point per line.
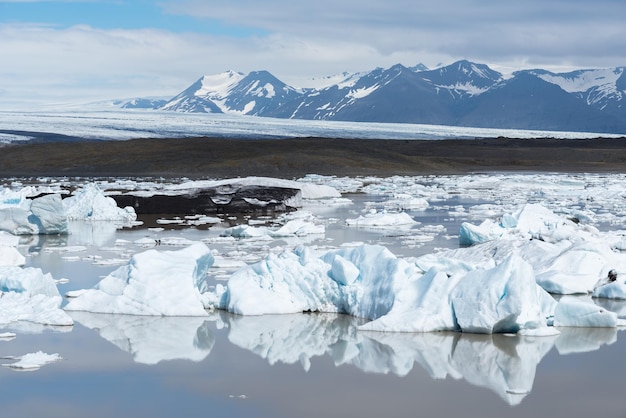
418 68
219 85
463 93
581 80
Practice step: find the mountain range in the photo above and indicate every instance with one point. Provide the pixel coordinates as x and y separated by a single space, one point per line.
461 94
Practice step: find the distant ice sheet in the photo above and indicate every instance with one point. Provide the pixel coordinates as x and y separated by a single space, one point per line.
120 125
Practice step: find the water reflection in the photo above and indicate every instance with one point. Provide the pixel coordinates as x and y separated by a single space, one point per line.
501 363
583 340
504 364
152 339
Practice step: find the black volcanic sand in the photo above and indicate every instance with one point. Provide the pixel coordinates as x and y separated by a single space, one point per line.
291 158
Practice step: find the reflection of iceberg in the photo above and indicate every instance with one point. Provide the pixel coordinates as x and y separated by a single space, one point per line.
582 340
503 363
152 339
293 338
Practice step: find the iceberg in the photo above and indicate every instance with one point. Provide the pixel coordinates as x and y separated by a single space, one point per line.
503 299
573 312
89 203
42 215
370 282
162 283
567 257
382 219
27 294
614 290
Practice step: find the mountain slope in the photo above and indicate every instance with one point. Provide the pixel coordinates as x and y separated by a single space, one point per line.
463 93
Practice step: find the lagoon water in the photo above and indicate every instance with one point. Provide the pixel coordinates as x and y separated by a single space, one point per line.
311 365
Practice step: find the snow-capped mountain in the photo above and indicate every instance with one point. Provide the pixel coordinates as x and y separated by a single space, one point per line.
463 93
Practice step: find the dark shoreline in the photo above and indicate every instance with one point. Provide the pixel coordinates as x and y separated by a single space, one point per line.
291 158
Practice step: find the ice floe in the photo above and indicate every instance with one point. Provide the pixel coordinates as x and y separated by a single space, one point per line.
33 361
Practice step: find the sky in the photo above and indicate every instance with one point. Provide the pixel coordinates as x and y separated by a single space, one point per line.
79 51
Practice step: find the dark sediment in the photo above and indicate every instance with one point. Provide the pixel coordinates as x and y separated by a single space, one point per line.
210 200
291 158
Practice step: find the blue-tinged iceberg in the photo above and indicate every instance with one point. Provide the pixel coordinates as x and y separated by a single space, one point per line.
370 282
27 213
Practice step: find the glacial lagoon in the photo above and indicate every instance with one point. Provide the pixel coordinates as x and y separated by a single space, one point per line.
316 364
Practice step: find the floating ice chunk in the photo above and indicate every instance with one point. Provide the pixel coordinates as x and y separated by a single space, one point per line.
614 290
167 283
34 361
49 214
572 312
30 295
423 305
577 268
370 282
503 299
7 336
91 204
246 231
283 283
43 215
529 221
382 219
298 228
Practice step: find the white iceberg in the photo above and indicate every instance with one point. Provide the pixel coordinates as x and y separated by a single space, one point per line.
530 221
292 228
382 219
42 215
166 283
89 203
614 290
27 294
503 299
370 282
573 312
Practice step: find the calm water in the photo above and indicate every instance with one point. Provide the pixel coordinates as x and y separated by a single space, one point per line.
294 365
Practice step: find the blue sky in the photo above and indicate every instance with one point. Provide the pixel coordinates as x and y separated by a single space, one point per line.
137 14
85 50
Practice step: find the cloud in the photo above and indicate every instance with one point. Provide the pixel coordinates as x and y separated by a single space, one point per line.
476 29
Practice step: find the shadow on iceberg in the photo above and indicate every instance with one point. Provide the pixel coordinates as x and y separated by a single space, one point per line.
505 364
152 339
